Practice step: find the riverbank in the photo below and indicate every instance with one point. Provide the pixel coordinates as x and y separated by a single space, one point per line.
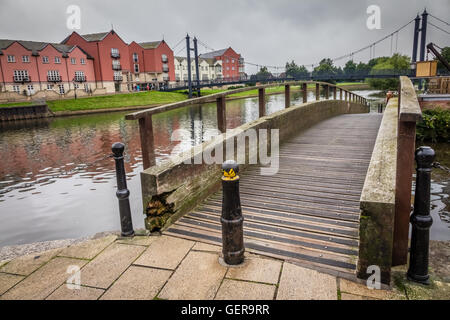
148 99
153 267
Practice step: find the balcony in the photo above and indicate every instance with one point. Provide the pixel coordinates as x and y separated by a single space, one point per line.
115 55
54 79
79 79
21 79
117 67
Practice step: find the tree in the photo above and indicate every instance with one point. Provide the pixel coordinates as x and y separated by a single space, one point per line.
445 53
262 74
295 71
325 70
350 68
396 63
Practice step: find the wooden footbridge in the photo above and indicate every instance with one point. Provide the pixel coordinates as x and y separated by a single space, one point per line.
333 195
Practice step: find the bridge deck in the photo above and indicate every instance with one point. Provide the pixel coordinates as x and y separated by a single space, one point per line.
309 211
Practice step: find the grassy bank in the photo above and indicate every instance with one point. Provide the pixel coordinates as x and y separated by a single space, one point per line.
12 104
116 101
149 98
434 126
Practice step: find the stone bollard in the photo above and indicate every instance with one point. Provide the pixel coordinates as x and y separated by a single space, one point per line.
421 220
232 219
122 193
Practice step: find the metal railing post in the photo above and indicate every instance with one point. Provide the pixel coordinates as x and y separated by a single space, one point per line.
421 220
232 219
122 192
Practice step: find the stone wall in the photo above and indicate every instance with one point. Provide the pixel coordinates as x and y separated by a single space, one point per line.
173 188
378 200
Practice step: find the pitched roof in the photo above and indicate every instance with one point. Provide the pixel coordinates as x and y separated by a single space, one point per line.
95 36
213 54
150 45
36 46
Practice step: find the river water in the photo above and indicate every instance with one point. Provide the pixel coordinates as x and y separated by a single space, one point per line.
57 181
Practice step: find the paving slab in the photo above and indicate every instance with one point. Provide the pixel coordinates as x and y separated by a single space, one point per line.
25 265
348 296
109 265
201 246
138 240
243 290
88 249
165 252
197 278
257 270
299 283
43 281
138 283
362 290
7 281
84 293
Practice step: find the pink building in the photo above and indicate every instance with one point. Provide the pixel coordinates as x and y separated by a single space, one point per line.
27 67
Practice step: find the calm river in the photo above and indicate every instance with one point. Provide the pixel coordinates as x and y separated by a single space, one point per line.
56 181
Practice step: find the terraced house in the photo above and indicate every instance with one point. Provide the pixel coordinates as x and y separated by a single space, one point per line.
42 69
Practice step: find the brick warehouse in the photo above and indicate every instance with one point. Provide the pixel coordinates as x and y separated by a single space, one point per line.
98 63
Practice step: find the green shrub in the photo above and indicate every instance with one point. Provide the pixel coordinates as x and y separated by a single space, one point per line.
434 126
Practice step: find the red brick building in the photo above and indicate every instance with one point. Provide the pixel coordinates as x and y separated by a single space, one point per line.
27 67
232 62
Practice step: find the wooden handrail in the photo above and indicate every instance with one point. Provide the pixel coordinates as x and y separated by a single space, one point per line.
408 114
208 98
145 116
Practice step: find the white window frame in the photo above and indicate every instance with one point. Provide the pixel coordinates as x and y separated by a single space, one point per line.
53 75
79 75
11 58
73 60
57 60
45 59
83 61
135 57
49 86
21 74
16 88
61 89
26 59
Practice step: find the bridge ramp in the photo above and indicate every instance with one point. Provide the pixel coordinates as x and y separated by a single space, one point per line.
309 211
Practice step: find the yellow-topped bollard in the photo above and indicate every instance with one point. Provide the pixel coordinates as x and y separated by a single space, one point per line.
232 219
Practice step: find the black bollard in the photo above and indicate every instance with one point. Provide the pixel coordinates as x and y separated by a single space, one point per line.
232 219
122 192
421 220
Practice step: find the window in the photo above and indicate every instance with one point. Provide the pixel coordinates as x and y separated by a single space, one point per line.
135 57
232 68
232 60
227 61
86 87
116 65
30 89
11 58
44 59
136 68
115 53
61 89
164 58
79 76
73 60
117 76
76 86
21 75
26 59
57 60
83 61
228 68
53 75
49 86
16 89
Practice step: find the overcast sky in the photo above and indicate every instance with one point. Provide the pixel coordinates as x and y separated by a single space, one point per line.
266 32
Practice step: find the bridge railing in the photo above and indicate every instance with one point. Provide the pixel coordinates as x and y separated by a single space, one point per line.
145 117
409 113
